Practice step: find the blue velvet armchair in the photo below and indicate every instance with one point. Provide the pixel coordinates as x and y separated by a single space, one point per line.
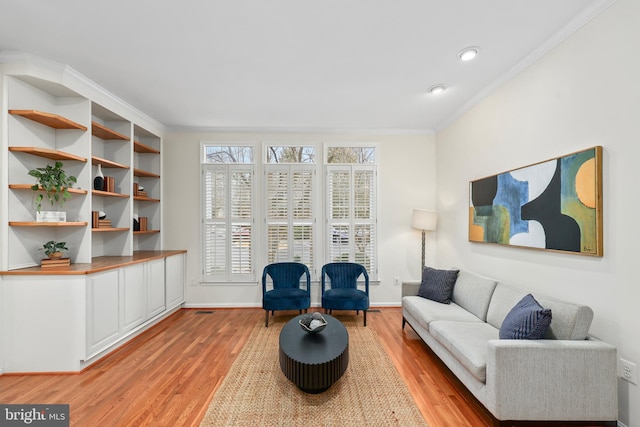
286 293
341 291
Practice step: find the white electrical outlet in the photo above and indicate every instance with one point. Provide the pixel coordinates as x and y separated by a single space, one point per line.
396 281
192 281
628 371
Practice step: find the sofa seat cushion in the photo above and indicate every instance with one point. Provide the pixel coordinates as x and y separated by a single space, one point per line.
467 342
426 311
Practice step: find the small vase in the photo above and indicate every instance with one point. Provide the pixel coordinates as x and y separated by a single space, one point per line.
55 255
98 181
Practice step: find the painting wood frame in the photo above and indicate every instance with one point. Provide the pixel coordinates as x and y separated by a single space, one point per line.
553 205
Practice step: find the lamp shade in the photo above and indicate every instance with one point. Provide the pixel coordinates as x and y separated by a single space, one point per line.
424 220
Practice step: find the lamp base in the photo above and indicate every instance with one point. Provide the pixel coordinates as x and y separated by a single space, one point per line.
423 250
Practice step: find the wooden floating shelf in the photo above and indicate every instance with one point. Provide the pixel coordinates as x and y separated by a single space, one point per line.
104 132
145 174
108 230
145 199
108 194
46 224
48 119
107 163
146 232
47 153
28 187
139 147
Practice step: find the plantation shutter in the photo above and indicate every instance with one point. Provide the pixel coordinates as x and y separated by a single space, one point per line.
351 215
228 222
290 216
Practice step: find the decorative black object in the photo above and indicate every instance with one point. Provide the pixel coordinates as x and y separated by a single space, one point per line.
98 181
312 323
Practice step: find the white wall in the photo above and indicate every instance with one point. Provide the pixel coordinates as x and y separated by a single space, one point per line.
406 180
584 92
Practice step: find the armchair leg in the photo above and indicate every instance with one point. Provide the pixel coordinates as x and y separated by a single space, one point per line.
365 317
266 318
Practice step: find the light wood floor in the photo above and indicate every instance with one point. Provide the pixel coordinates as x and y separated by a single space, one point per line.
167 376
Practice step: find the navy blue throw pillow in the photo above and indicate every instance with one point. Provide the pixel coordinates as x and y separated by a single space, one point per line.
527 320
437 285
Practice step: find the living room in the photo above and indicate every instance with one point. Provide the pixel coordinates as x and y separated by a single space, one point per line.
578 93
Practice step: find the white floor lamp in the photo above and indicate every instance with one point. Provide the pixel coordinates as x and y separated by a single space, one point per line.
426 221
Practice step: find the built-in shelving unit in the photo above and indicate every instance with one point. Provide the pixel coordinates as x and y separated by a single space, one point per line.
146 173
120 282
48 118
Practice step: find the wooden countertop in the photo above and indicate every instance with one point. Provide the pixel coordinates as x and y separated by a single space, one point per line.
97 264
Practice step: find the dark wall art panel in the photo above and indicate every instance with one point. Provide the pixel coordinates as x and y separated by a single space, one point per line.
552 205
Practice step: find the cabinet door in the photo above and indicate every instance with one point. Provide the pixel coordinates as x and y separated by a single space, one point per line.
155 287
134 303
174 271
103 323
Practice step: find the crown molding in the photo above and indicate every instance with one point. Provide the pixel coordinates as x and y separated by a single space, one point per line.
574 25
296 130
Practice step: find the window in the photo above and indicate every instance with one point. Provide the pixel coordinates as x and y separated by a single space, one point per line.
290 215
238 238
228 212
351 206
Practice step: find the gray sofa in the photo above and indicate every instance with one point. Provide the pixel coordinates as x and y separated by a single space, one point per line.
567 376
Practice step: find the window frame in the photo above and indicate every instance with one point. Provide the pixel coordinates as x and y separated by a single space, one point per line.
353 222
229 168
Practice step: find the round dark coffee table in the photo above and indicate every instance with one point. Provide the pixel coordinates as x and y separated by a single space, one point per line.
314 362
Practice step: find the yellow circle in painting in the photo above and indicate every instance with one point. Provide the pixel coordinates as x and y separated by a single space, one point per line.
586 183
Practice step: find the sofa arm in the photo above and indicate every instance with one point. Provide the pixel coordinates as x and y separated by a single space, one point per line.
552 380
410 287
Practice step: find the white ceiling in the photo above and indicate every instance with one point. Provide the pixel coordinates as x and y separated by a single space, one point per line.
293 64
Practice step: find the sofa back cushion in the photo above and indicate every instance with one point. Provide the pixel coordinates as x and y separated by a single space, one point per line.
473 293
569 321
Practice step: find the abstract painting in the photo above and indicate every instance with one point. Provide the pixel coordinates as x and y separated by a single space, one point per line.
552 205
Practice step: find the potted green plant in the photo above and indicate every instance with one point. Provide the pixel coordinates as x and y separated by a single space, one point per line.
54 181
54 249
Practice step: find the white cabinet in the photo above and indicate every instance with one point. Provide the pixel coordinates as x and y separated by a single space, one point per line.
103 300
175 278
134 301
155 287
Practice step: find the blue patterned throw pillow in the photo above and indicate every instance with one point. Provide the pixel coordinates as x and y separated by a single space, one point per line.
437 285
527 320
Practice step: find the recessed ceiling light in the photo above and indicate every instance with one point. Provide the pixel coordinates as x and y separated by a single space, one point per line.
436 89
467 54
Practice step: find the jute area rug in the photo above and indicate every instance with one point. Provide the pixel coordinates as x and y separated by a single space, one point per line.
256 393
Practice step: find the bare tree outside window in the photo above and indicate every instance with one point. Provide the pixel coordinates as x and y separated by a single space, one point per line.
228 154
290 154
351 155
